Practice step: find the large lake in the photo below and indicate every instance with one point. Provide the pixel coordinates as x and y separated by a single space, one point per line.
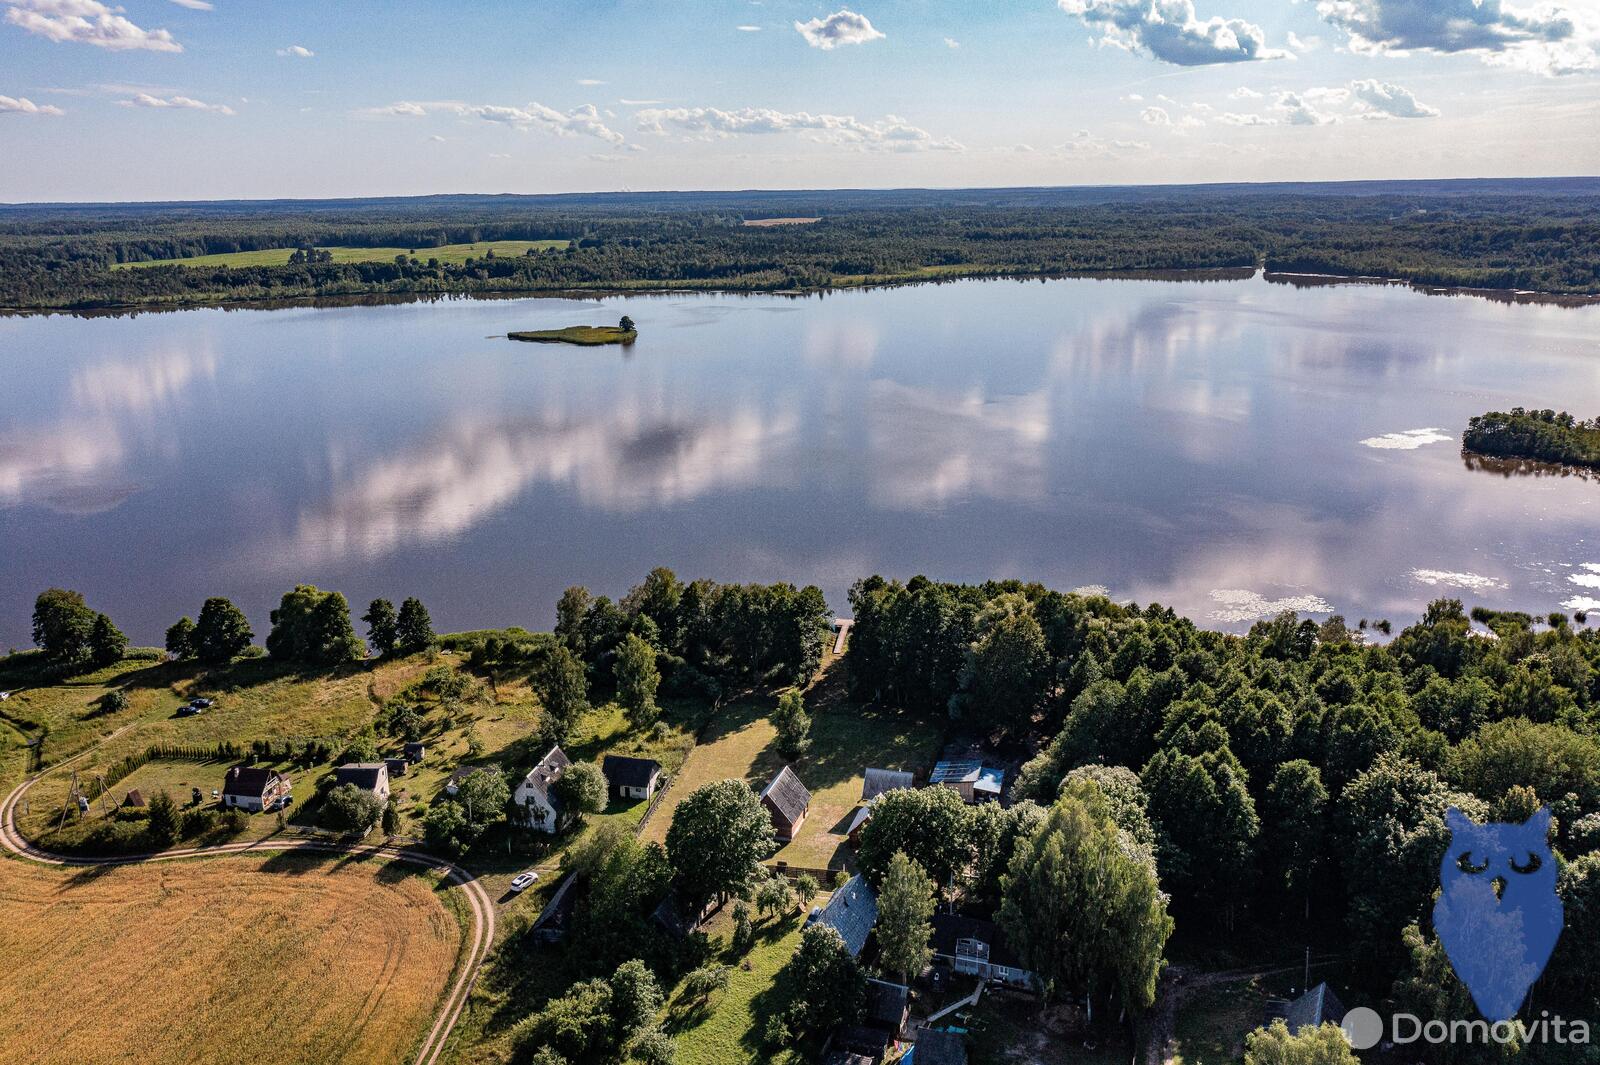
1227 448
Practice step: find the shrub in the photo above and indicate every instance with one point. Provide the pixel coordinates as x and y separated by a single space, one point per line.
351 809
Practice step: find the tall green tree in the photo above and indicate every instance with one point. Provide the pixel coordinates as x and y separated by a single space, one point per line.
312 627
1295 812
719 836
563 689
932 826
821 982
107 644
793 725
1007 672
413 628
63 627
1207 825
382 631
905 915
1085 914
222 633
581 791
637 679
180 639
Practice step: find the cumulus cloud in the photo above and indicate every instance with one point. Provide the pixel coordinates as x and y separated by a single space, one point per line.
1233 118
86 22
1171 31
583 121
1244 92
1383 100
1156 116
840 28
1299 111
296 51
181 103
951 42
748 29
21 105
1549 39
193 5
890 134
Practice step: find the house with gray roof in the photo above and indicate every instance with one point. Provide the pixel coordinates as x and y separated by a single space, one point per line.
787 801
978 948
1311 1010
937 1048
630 778
368 776
852 912
536 797
970 778
878 781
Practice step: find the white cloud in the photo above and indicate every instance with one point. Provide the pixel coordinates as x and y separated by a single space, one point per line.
1244 92
951 42
1156 116
890 134
1550 39
748 29
181 103
1299 111
1302 44
296 51
638 103
21 105
194 5
840 28
1170 31
1233 118
1383 100
590 82
86 22
581 121
1407 439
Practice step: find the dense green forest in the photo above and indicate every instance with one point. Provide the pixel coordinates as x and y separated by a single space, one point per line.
1293 779
1512 235
1542 435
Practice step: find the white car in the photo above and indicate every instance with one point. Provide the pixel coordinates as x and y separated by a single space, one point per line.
523 881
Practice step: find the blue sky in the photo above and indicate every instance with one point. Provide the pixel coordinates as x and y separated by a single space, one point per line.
183 99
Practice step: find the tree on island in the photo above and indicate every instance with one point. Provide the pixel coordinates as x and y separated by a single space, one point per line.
626 325
222 633
382 627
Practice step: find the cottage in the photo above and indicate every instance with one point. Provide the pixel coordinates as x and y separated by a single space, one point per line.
368 776
462 772
414 752
937 1048
870 1043
133 800
879 781
978 948
787 801
397 767
1311 1010
254 789
971 779
535 796
888 1006
630 778
852 912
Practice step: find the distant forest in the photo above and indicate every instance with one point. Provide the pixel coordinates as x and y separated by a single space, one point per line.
1535 235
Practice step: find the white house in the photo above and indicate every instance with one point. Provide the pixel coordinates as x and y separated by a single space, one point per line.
535 796
254 789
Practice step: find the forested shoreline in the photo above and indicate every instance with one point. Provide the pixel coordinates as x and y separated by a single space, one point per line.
1534 236
1539 435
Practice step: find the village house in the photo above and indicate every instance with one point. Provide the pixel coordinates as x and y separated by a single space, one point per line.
453 785
852 912
937 1048
971 779
630 778
787 801
878 781
888 1006
1311 1010
250 788
414 752
397 767
978 948
368 776
535 796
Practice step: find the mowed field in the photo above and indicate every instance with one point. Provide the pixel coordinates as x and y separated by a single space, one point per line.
448 253
288 958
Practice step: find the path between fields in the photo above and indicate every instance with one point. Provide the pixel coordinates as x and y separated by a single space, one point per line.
478 901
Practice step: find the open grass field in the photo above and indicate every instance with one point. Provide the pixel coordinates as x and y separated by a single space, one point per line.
291 958
846 739
727 1029
448 253
585 336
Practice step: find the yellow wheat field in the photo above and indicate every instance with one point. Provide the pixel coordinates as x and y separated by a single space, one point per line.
246 959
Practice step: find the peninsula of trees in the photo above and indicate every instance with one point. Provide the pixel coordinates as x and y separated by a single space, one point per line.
1541 435
1535 235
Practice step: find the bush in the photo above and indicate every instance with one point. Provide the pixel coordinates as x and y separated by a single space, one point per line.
197 822
234 821
351 809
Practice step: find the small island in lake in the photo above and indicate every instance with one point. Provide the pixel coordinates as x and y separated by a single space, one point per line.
624 332
1542 435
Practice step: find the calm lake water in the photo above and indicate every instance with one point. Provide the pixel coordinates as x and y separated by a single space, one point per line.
1228 448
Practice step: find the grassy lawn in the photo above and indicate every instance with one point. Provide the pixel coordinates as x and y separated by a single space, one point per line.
449 253
846 739
586 336
727 1030
1212 1025
1008 1031
211 960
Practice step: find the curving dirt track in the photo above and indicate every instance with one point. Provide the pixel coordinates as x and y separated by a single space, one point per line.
478 901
